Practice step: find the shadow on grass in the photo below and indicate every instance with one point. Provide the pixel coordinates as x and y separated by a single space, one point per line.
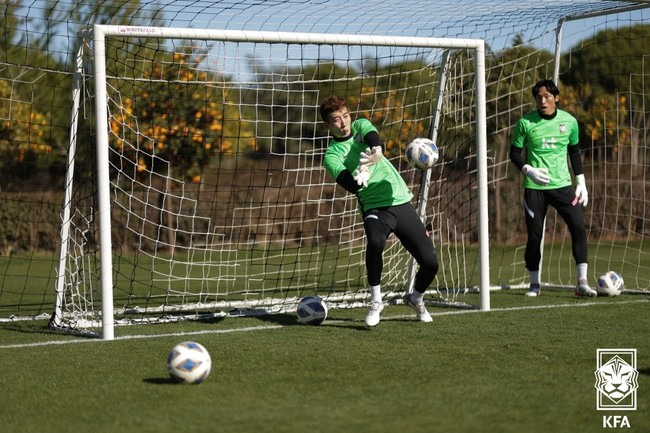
41 327
353 326
213 320
27 328
644 371
291 320
161 381
279 319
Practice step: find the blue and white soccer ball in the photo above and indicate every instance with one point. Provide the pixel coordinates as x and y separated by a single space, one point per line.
189 362
311 310
610 284
422 153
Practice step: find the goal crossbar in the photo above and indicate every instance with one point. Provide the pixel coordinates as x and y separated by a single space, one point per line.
101 30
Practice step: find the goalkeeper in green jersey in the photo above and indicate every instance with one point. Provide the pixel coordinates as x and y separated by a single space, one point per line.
354 158
549 135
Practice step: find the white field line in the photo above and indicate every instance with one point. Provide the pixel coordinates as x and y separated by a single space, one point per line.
267 327
140 337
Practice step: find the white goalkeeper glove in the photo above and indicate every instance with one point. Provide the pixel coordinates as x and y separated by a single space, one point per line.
361 175
371 156
582 196
538 175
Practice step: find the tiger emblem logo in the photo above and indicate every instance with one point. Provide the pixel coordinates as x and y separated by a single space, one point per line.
616 379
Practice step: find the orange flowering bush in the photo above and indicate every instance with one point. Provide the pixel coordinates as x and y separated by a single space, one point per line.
176 117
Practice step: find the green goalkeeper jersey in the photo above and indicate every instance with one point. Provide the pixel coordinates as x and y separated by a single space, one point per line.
385 185
546 142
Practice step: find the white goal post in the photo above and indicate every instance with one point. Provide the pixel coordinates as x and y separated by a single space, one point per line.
168 232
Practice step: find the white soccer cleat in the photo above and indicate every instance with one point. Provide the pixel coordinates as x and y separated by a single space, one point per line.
583 290
420 309
374 312
534 291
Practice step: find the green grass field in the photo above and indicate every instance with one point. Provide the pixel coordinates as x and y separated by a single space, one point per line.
526 366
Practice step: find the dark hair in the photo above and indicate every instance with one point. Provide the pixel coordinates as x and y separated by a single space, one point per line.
550 86
330 105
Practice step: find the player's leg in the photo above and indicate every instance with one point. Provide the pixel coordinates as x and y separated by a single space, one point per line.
535 207
415 238
571 212
378 226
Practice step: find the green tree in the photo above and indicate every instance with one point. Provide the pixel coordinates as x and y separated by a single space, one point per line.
395 97
510 76
285 100
25 143
605 83
176 119
36 81
398 98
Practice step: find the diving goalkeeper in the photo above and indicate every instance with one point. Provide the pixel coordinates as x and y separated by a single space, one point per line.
354 158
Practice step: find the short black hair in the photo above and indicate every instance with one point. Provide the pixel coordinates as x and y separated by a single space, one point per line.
330 105
550 86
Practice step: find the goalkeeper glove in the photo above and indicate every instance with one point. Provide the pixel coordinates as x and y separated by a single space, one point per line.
361 175
371 156
538 175
582 196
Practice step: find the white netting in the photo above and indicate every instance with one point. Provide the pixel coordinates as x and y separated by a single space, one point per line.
603 73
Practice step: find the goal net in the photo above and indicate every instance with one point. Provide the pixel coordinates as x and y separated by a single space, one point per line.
210 196
216 201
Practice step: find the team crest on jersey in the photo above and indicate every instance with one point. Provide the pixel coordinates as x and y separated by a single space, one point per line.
562 128
358 138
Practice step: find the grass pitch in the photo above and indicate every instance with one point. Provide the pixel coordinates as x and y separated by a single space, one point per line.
526 366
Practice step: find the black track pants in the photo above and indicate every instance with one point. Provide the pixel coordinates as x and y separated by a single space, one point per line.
536 204
405 223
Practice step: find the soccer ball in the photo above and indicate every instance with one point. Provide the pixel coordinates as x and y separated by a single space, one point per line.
189 362
422 153
311 310
610 284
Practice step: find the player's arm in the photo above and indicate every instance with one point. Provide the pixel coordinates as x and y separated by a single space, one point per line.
516 157
347 181
582 196
517 146
373 153
575 159
538 175
371 139
334 166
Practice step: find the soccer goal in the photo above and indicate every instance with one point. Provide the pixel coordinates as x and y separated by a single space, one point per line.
195 184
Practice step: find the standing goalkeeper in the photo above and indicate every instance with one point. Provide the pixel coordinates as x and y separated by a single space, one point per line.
354 158
548 135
